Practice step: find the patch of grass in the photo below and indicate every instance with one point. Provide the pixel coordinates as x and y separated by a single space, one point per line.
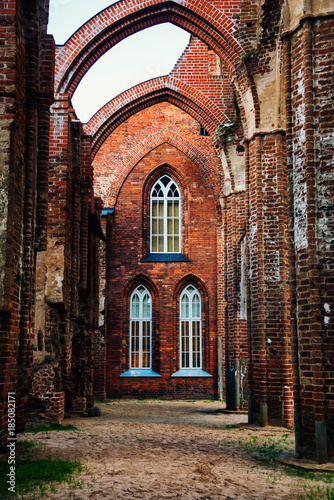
317 492
52 427
37 475
266 449
210 401
310 475
28 444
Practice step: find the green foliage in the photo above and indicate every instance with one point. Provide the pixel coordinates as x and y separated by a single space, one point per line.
266 449
27 444
52 427
37 475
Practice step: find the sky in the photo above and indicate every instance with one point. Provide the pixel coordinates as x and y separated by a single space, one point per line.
142 56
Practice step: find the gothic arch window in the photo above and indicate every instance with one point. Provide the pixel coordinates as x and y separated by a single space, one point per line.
165 219
140 334
190 329
140 329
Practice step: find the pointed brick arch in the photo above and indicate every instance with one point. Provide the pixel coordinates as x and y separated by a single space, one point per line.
207 166
214 27
166 88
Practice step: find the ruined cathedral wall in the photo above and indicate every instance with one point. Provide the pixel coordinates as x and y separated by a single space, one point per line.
27 56
311 78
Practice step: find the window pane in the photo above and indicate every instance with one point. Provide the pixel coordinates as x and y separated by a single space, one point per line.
176 244
196 344
185 344
161 226
169 226
161 244
196 304
170 244
176 209
185 307
176 226
161 208
146 345
165 180
135 306
154 244
134 363
146 306
170 208
154 226
154 208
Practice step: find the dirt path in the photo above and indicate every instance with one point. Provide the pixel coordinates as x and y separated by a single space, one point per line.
156 450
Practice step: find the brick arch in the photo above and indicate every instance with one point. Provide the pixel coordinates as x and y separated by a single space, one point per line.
140 279
207 166
161 89
189 279
214 27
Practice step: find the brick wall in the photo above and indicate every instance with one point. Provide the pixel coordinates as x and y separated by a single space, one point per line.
129 245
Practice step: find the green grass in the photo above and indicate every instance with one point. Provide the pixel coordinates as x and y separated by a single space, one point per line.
27 444
266 449
52 427
36 476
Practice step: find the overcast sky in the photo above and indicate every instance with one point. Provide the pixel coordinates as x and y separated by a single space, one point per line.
147 54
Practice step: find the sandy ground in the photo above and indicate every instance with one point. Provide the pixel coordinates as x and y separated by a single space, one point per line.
154 450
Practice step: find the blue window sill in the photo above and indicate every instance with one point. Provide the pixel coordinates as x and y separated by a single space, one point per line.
165 257
144 372
189 372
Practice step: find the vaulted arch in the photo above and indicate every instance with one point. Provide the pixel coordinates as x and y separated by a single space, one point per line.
207 166
166 88
214 27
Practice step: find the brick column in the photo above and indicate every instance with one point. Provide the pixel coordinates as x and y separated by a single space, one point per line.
309 186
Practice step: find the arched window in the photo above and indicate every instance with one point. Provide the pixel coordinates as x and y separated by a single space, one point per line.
165 217
190 329
140 328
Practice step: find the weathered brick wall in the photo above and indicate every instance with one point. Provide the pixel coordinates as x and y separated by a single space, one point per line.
12 128
25 48
310 78
270 279
323 33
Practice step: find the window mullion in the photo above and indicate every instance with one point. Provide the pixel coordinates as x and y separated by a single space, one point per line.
190 344
141 333
165 225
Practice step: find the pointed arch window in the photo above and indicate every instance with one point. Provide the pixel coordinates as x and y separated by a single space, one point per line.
140 329
165 221
190 329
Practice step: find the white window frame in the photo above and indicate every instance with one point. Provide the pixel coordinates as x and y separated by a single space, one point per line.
141 291
165 200
191 291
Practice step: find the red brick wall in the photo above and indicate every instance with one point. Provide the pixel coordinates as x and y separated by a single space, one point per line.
24 48
138 135
129 246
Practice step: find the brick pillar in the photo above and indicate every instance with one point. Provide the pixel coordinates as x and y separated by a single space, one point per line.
271 321
310 119
259 403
